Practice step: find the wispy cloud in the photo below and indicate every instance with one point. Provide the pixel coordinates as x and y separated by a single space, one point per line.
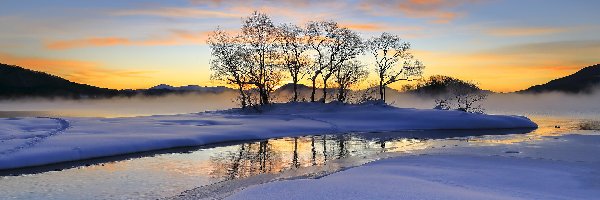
364 26
175 37
576 49
514 67
300 3
438 11
524 31
177 12
75 70
378 27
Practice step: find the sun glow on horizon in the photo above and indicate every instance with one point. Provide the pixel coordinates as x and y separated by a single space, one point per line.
130 45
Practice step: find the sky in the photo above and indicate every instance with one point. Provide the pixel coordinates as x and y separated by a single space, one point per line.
503 45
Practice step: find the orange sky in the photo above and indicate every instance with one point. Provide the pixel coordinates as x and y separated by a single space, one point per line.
502 45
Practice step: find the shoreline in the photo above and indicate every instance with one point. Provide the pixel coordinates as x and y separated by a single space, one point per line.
88 138
534 170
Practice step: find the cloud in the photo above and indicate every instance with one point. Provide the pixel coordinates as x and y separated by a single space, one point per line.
175 37
298 15
75 70
372 29
177 12
524 31
438 11
295 3
364 26
298 11
579 49
514 67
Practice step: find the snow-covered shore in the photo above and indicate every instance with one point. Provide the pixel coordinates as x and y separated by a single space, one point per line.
38 141
443 177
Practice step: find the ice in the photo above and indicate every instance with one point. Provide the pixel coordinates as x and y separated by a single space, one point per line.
443 177
38 141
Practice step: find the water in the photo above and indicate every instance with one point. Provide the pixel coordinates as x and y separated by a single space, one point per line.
115 107
167 173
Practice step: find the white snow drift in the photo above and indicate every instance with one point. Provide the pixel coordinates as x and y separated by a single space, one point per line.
442 177
38 141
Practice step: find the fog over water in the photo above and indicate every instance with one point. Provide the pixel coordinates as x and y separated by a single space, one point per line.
544 104
118 107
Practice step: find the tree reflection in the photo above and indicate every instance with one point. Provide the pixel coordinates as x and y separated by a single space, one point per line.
313 151
276 155
249 159
295 157
342 151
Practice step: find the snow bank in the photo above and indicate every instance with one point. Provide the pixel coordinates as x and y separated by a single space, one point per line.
38 141
442 177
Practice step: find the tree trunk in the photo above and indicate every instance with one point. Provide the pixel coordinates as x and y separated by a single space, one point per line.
314 88
295 89
381 91
264 96
342 94
324 90
242 96
295 162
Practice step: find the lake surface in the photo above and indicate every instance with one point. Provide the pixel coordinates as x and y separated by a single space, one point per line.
167 173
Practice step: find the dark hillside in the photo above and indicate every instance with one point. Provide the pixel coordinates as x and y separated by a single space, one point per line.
582 81
16 81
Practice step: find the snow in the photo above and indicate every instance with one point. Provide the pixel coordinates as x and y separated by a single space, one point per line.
38 141
443 177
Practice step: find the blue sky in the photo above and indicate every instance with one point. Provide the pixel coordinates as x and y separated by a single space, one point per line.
503 45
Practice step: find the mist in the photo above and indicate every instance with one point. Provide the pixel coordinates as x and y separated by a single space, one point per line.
557 104
544 104
119 106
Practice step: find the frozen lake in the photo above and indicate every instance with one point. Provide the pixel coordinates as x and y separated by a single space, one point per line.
169 172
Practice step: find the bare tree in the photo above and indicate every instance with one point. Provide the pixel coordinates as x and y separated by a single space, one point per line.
293 52
333 45
248 60
462 96
393 61
227 63
349 74
316 39
259 37
470 101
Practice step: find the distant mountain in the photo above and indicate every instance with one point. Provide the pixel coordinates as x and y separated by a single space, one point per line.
190 88
582 81
286 92
16 81
288 89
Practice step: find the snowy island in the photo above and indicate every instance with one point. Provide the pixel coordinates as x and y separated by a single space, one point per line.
28 142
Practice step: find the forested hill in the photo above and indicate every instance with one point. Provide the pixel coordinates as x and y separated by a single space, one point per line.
582 81
16 81
437 85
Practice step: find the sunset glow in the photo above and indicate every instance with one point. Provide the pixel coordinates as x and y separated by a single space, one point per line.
502 45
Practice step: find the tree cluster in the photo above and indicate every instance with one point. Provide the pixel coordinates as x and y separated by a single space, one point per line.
458 95
263 54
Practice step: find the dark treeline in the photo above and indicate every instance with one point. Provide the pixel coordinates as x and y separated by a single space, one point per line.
18 82
437 85
263 55
585 80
